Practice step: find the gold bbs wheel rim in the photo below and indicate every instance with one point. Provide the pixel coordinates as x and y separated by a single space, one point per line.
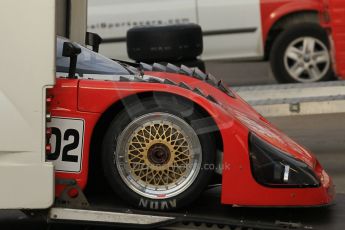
158 155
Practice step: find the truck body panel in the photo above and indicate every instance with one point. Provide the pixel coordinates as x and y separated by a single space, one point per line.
333 18
28 67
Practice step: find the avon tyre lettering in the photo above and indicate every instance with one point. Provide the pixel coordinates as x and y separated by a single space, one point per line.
67 143
157 205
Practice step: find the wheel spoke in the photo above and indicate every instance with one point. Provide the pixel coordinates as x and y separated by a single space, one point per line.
297 69
314 72
135 148
308 45
321 57
293 53
172 134
182 144
135 158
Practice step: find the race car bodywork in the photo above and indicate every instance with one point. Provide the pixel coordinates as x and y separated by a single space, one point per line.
260 165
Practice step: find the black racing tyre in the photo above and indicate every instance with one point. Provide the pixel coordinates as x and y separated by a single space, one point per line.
301 54
155 156
164 43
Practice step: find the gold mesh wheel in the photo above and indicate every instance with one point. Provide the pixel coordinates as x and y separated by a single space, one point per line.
158 155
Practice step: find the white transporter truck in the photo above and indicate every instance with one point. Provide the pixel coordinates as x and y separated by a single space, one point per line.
27 69
28 41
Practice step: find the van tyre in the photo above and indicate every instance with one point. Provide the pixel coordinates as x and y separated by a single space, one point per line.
154 155
164 43
301 54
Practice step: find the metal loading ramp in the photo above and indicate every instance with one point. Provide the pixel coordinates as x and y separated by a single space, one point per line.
106 211
296 99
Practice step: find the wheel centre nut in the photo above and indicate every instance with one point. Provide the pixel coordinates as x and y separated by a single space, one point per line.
158 154
307 58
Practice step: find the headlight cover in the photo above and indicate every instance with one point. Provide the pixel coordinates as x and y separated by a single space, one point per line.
273 168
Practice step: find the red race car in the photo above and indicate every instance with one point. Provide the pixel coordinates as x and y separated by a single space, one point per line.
161 132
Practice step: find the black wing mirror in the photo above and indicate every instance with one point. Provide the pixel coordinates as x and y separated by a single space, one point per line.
93 40
72 51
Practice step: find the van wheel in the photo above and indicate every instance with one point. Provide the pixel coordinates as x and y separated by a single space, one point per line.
301 54
153 156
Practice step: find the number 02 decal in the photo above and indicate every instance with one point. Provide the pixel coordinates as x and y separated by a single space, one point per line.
67 144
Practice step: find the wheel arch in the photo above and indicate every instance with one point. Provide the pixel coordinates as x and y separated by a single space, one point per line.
286 21
107 116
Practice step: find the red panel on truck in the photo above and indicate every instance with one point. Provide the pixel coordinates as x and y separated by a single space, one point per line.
336 23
